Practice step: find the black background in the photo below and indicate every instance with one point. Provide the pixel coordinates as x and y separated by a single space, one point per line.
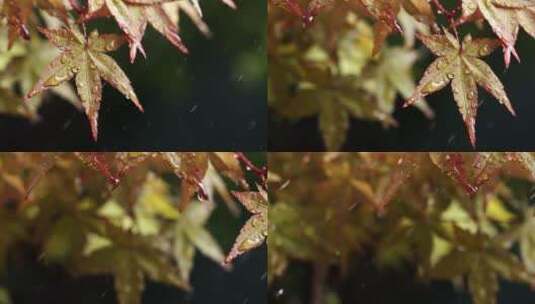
212 99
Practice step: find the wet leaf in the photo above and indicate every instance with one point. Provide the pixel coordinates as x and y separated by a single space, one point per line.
459 64
255 230
84 59
505 17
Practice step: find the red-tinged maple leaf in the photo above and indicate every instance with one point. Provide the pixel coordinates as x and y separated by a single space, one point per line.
460 64
254 232
191 168
193 11
473 170
17 13
132 16
386 12
505 17
99 162
84 59
306 15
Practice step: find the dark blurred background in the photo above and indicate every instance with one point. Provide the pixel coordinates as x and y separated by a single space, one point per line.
496 129
212 99
365 283
30 281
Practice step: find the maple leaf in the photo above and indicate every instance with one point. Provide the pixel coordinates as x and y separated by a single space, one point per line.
386 12
482 262
24 63
132 16
460 64
255 230
227 164
355 86
130 258
187 232
101 163
472 171
197 6
505 17
190 234
191 168
17 14
308 14
84 59
193 11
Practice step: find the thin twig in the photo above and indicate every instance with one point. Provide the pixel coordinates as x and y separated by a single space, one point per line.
249 166
450 14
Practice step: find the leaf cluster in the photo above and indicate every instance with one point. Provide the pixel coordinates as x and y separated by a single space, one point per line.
29 68
450 216
120 214
342 59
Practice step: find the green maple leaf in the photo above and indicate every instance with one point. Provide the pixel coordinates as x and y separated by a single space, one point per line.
460 64
21 66
190 234
187 232
130 258
255 230
359 89
393 76
84 59
482 262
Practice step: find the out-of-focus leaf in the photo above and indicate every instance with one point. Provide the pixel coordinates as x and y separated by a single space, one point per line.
189 234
